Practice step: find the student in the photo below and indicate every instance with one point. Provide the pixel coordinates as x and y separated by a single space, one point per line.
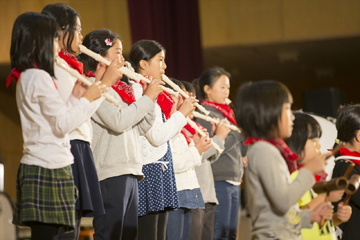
187 153
213 88
89 202
304 141
116 145
46 121
264 116
202 220
158 191
348 128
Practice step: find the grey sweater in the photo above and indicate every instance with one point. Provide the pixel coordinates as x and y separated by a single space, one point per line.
273 197
229 165
116 143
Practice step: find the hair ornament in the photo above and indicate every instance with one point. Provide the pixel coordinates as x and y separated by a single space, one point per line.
337 141
108 42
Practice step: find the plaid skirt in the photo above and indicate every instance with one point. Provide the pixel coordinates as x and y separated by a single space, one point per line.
45 195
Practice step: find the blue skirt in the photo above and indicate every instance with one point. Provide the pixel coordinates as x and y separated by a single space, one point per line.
158 189
90 201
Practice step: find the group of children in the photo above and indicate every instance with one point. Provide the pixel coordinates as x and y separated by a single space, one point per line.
138 168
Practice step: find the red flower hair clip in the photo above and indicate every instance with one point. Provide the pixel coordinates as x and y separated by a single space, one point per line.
108 42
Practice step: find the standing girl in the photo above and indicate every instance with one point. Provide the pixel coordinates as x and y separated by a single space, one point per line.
213 88
264 115
158 191
116 143
46 121
89 202
348 128
304 141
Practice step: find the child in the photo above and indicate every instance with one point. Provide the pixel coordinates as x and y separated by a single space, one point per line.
213 87
202 220
116 145
46 121
304 141
157 192
348 128
89 202
264 115
187 153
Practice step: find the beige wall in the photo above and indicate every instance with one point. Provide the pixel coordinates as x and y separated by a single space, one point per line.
234 22
111 14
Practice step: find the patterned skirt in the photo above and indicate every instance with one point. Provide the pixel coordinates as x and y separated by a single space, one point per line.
45 195
158 189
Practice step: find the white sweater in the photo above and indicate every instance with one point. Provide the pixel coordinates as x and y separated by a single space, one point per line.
186 158
155 141
66 82
46 120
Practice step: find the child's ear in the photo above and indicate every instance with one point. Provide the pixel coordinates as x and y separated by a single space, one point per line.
357 137
207 89
143 64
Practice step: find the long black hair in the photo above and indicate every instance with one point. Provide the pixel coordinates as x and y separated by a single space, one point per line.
32 42
208 77
66 17
95 41
259 107
347 123
305 127
143 50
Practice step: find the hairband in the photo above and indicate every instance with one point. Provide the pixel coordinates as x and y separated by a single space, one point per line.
94 49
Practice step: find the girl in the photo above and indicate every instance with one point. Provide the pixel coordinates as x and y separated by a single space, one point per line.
46 121
89 202
213 87
157 192
187 155
348 126
116 145
304 141
202 220
264 115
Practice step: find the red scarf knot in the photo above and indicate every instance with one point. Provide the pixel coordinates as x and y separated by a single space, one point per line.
289 156
125 91
223 108
15 74
166 103
89 74
72 61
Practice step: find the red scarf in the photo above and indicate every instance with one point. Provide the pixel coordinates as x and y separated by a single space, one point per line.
224 109
346 152
190 129
123 89
289 156
166 103
188 139
72 61
15 74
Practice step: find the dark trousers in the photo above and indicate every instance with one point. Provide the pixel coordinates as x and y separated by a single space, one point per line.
202 223
226 213
120 196
178 225
152 226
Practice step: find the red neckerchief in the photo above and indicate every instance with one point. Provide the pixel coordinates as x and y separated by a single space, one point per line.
72 61
190 129
224 109
289 156
124 90
318 177
15 74
166 103
346 152
188 140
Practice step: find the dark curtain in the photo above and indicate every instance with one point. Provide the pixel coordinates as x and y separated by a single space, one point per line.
175 25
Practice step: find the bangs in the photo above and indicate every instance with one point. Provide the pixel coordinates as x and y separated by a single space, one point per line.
314 129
